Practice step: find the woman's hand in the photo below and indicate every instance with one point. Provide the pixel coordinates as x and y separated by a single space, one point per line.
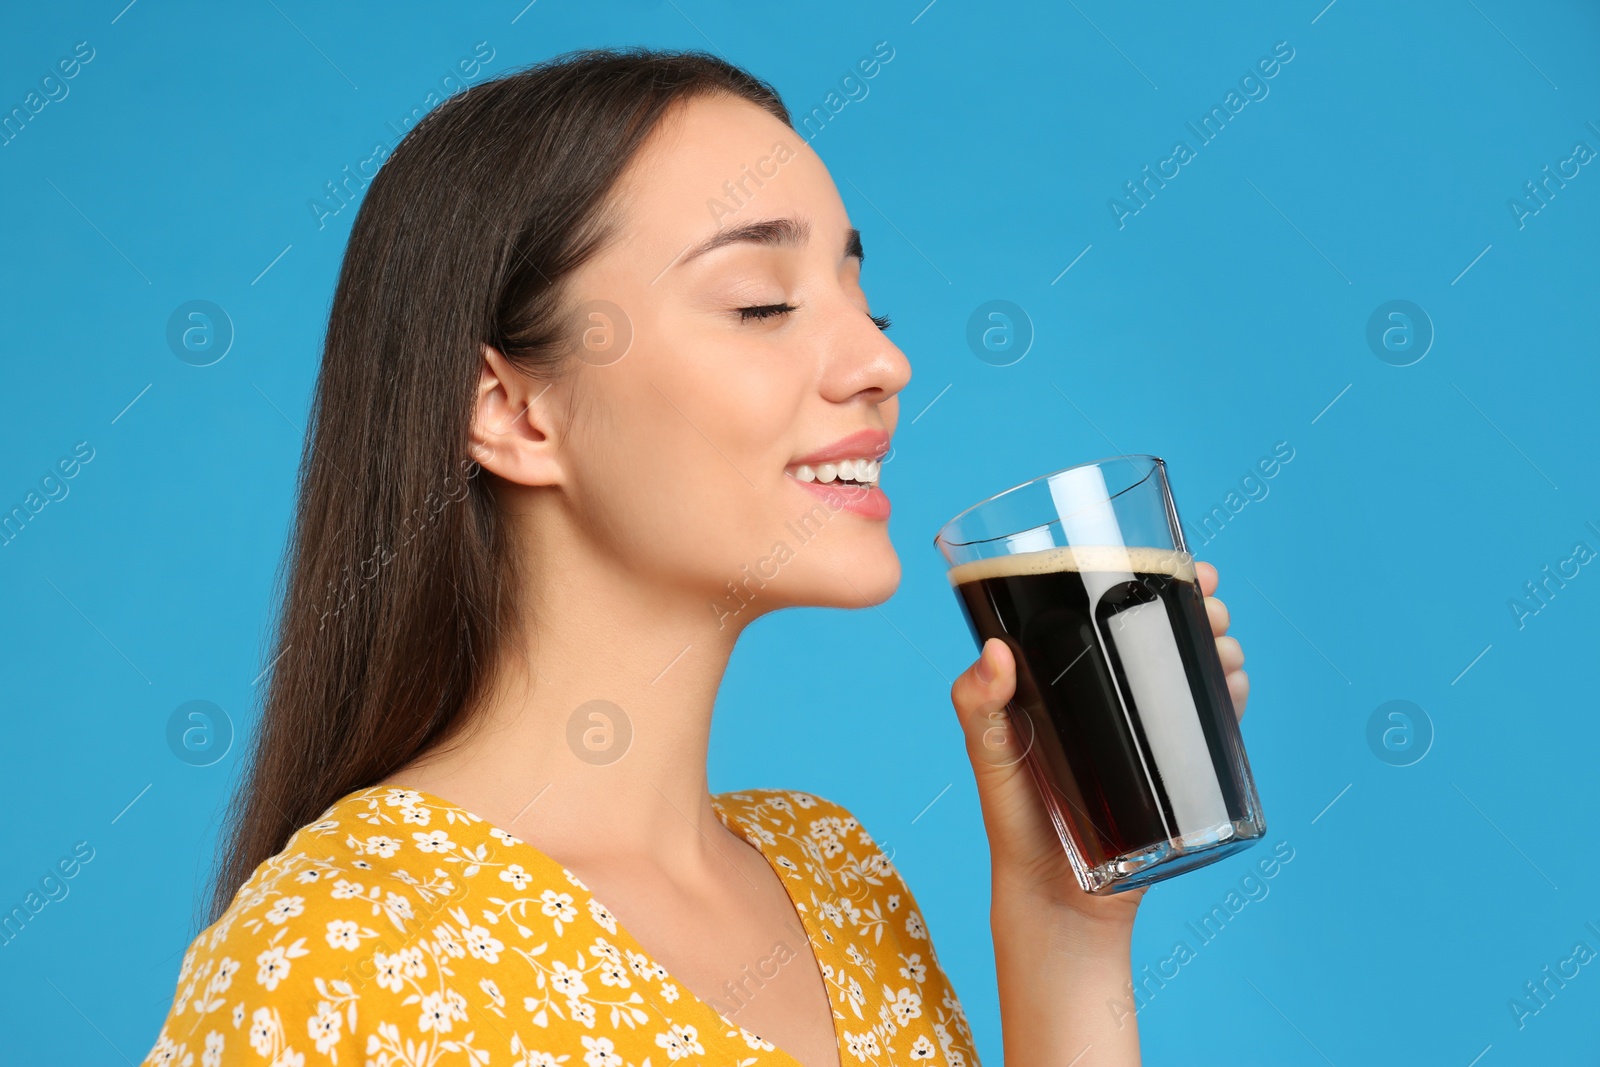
1061 955
1030 866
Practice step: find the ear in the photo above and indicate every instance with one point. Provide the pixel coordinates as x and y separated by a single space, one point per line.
516 432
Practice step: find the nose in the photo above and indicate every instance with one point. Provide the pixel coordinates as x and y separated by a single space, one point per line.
861 362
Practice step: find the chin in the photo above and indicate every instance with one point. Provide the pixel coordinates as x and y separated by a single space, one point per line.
874 576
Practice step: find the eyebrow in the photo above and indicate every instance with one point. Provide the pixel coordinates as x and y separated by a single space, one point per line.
777 232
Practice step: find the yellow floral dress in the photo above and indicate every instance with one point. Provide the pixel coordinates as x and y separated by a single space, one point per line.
402 931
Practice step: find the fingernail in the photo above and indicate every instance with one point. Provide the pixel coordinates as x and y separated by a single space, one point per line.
985 672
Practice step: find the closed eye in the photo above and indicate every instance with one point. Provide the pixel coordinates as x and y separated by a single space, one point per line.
765 311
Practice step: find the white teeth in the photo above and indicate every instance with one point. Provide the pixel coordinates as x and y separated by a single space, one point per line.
861 471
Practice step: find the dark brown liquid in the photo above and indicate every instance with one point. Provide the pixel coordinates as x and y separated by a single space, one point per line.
1122 776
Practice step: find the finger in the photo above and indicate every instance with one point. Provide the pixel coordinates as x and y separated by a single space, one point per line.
1231 653
980 705
1021 835
1239 689
1217 613
1207 574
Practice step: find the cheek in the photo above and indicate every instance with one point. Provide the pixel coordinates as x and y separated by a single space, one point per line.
684 461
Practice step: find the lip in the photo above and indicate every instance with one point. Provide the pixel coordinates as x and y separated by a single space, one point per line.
870 503
868 444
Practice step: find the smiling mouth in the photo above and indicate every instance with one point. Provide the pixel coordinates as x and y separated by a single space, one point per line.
862 473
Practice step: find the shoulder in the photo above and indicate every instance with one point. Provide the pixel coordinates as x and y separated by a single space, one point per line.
325 923
884 964
824 843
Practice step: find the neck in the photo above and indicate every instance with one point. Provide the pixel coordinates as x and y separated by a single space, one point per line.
592 739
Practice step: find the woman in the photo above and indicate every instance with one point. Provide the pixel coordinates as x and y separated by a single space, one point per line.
476 826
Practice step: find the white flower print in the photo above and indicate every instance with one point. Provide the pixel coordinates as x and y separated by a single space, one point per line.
596 1001
754 1041
382 846
402 797
212 1057
680 1041
581 1012
826 827
388 971
612 972
433 841
412 963
481 945
167 1053
519 878
604 918
906 1005
343 890
435 1014
861 1045
261 1029
566 981
856 995
875 866
224 977
445 938
396 905
324 1026
273 967
606 950
558 906
601 1052
285 908
342 933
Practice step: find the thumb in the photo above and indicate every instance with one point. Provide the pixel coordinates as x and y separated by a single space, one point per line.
1022 839
996 740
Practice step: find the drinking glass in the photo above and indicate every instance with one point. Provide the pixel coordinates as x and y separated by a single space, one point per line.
1121 710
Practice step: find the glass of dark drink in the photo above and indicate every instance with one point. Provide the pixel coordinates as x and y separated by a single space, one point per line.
1121 707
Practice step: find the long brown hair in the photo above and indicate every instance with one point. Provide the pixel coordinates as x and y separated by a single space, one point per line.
399 573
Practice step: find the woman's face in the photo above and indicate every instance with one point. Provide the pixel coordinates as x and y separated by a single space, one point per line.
679 459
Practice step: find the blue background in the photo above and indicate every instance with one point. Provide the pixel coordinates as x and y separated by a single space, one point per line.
1226 316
